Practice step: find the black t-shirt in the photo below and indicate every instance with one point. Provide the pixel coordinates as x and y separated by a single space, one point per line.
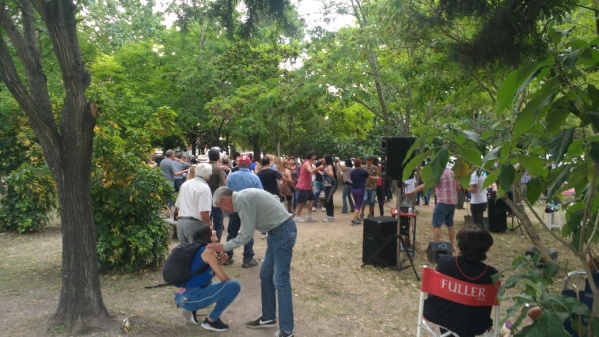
269 179
317 175
464 320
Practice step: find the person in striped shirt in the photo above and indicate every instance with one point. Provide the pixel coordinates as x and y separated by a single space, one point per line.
446 191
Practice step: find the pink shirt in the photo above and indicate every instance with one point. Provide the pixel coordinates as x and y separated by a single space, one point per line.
305 179
446 188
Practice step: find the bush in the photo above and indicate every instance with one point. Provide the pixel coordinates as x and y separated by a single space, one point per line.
27 197
127 199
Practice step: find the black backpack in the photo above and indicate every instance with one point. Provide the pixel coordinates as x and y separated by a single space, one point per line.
176 268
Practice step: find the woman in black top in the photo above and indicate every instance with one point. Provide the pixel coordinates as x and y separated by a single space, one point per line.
467 321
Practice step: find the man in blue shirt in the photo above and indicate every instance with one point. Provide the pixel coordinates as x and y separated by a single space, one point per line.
239 181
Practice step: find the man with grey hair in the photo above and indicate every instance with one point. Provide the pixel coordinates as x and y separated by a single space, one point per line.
194 203
264 212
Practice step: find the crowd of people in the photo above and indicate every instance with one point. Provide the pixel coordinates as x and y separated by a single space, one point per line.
269 195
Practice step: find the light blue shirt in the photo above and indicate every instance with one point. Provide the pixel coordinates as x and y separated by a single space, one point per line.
242 179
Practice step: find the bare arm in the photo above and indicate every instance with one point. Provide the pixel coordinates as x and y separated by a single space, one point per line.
211 258
205 216
416 190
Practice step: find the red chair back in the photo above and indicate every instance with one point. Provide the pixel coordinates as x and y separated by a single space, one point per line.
458 291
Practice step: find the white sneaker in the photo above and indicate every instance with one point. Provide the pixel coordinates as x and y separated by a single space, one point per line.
313 209
298 219
324 209
189 317
311 219
328 219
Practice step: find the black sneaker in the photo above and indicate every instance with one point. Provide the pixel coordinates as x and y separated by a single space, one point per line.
228 262
217 325
283 334
259 323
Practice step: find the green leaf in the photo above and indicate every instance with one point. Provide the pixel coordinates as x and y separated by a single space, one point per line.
476 139
506 177
591 117
560 175
526 118
594 151
516 82
557 114
413 164
469 154
491 156
533 190
534 165
558 145
438 164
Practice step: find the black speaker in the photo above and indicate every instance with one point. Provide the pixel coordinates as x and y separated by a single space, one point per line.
437 248
394 151
497 215
376 233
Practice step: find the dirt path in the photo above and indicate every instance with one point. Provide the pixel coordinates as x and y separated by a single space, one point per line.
333 294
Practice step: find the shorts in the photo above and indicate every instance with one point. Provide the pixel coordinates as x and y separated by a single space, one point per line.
369 197
303 196
443 213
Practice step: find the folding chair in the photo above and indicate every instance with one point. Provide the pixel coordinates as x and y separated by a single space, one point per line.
452 289
585 295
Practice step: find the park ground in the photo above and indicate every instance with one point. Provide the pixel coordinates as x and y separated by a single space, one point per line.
333 294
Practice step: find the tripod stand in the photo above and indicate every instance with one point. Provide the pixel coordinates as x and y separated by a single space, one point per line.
393 236
401 247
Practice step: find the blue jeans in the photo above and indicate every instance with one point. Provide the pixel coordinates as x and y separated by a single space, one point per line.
345 196
443 213
318 187
369 197
196 298
233 230
217 221
275 275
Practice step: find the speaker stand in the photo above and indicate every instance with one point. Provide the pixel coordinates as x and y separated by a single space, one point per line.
400 262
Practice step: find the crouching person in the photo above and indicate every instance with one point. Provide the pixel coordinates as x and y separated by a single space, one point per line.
199 291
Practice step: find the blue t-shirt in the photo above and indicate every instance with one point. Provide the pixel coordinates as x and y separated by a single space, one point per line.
202 279
358 177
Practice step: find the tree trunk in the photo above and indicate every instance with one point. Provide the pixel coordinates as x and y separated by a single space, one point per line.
67 148
529 228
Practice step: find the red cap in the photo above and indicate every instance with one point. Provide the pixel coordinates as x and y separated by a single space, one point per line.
244 161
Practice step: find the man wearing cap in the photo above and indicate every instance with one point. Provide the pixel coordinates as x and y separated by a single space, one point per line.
217 179
239 181
263 212
194 203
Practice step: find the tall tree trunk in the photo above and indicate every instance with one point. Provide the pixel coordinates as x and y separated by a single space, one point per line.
67 148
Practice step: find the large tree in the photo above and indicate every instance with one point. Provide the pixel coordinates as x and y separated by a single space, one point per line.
65 131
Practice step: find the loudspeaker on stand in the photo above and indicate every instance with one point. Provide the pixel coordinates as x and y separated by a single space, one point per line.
394 151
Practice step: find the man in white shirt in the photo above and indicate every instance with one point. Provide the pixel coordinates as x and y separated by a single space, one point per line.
478 197
194 203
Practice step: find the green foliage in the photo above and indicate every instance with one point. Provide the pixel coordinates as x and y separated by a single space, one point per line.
126 193
531 284
27 196
18 144
505 32
548 128
127 197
